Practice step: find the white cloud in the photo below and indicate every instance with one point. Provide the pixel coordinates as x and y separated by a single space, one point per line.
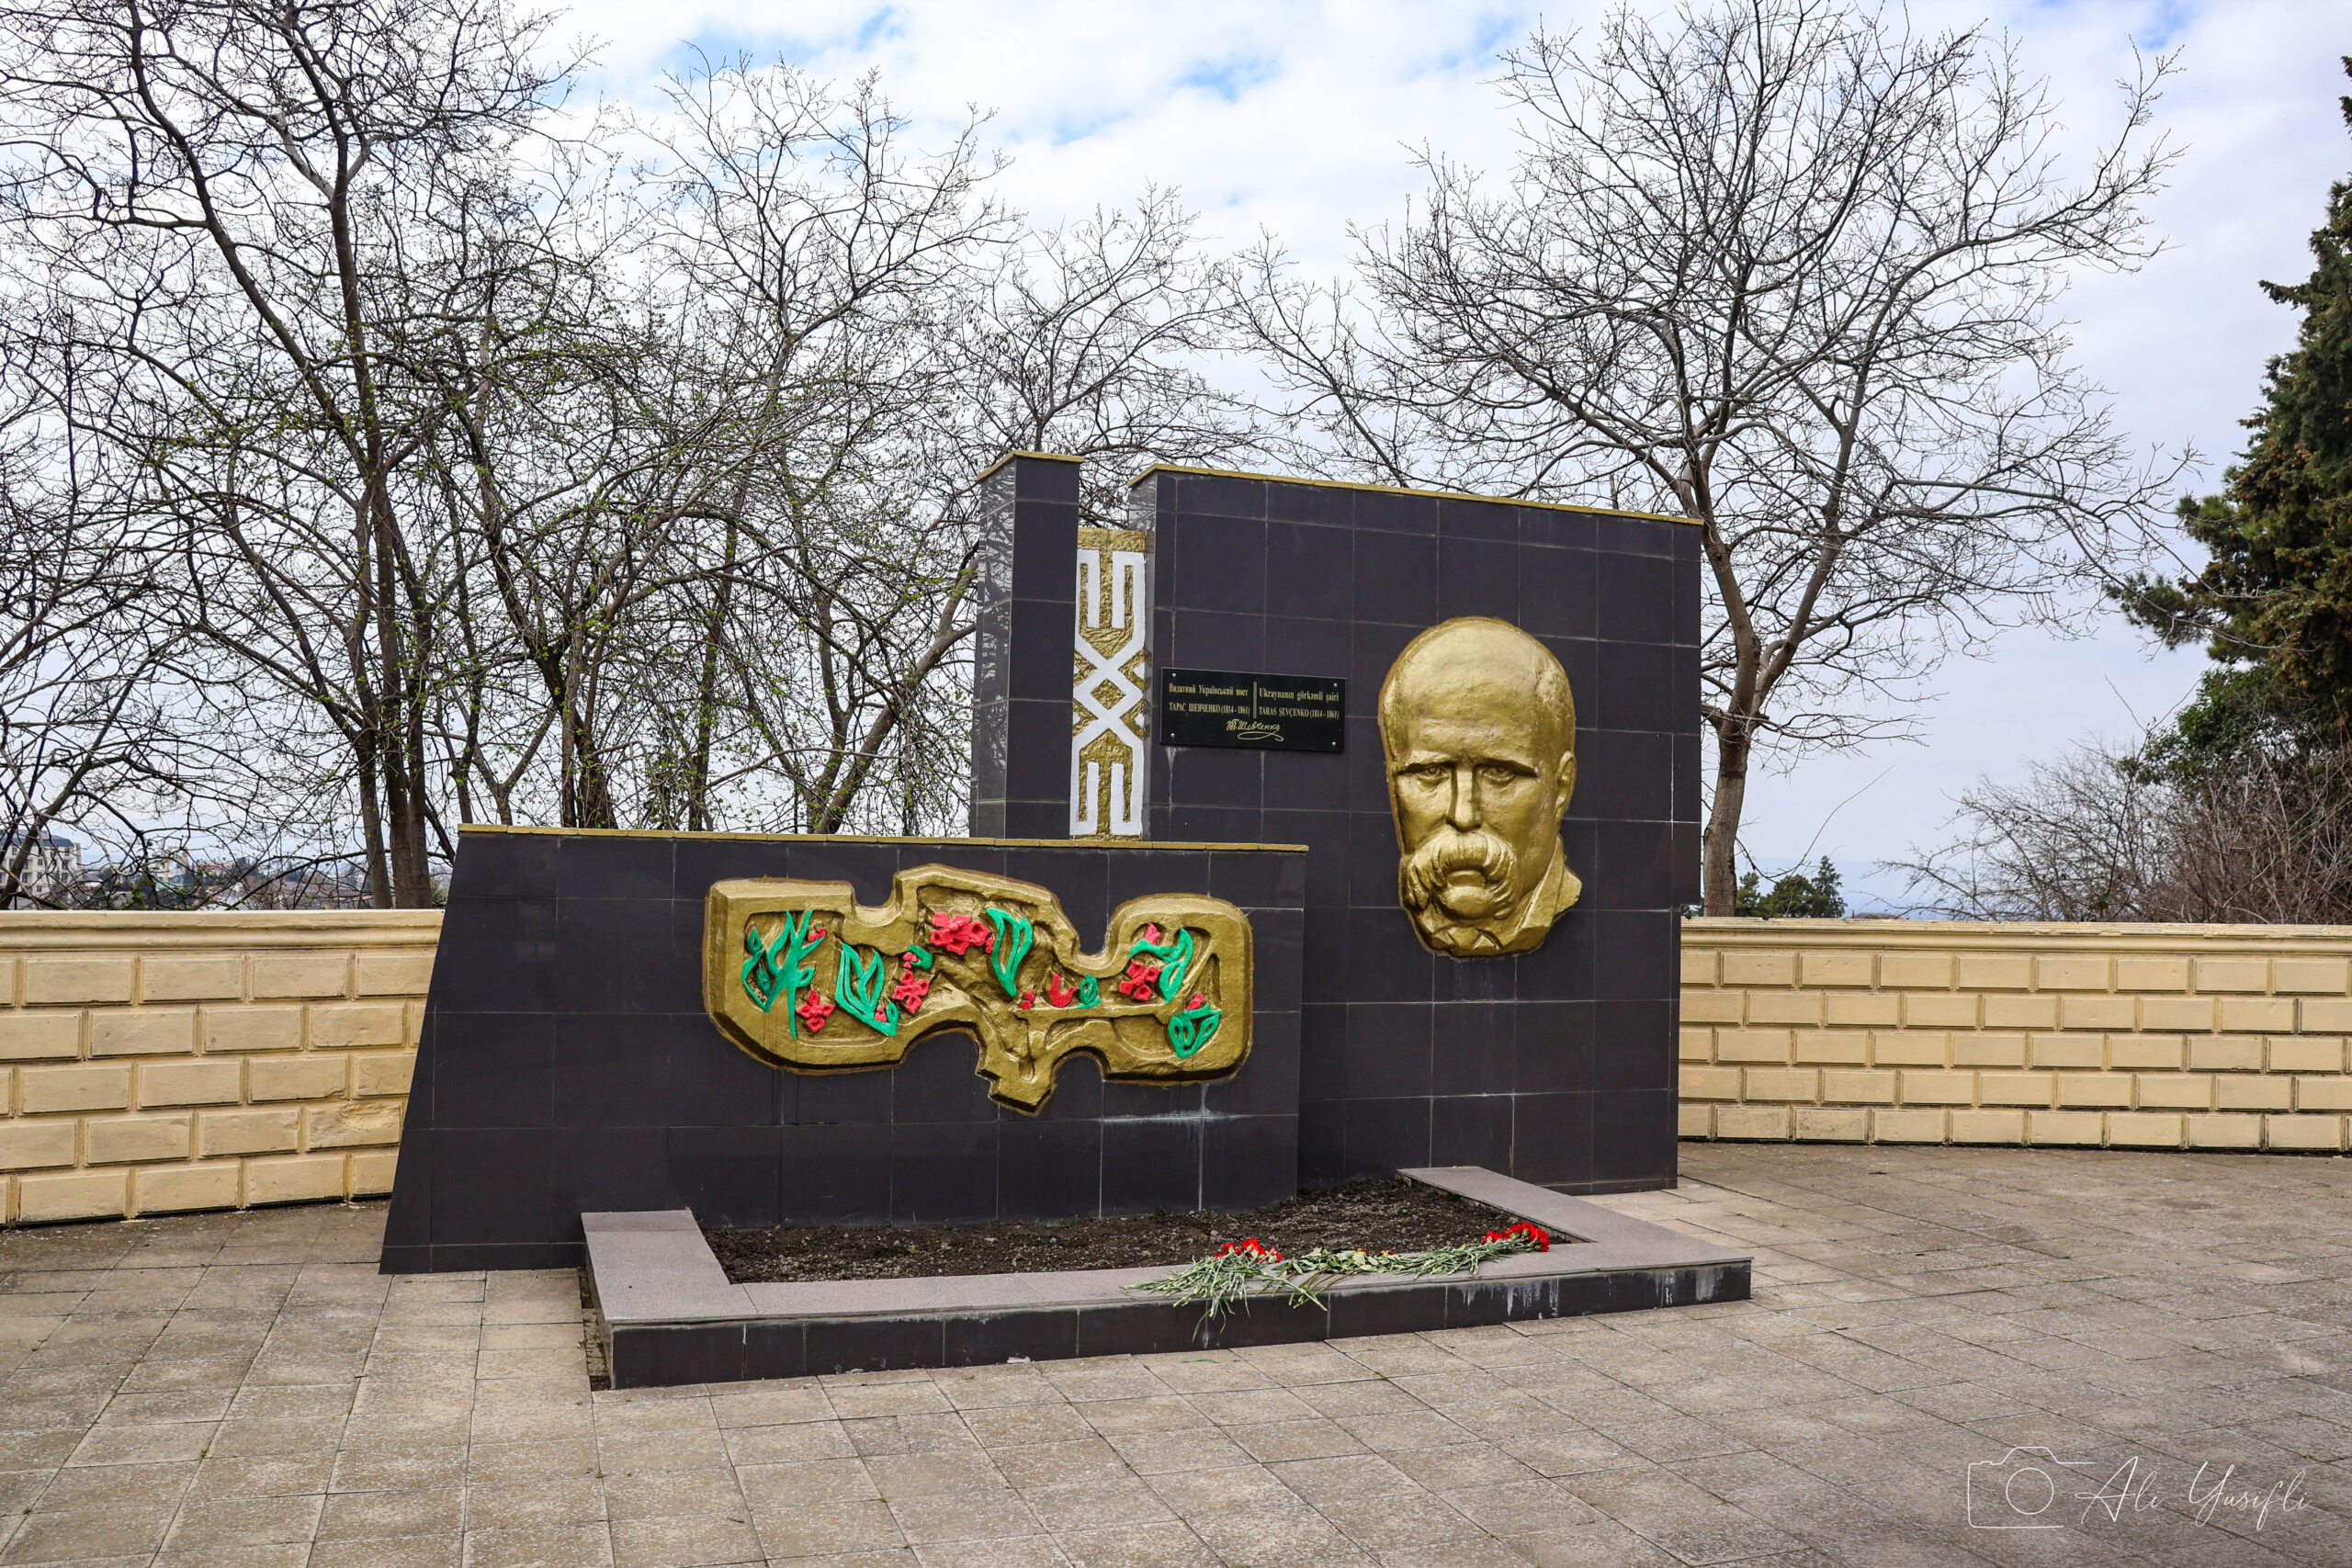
1297 118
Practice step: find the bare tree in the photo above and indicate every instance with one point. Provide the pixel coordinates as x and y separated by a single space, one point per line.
260 212
1089 343
1785 268
877 329
822 272
2085 838
2107 836
452 470
84 722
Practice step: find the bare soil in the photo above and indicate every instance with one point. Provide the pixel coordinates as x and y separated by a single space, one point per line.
1393 1214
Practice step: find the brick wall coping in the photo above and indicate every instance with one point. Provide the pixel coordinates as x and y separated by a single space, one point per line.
25 930
1747 930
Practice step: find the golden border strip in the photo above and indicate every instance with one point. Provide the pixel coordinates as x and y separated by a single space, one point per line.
1041 456
876 838
1400 489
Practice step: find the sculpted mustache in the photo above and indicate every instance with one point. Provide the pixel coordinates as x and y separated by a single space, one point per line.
1425 871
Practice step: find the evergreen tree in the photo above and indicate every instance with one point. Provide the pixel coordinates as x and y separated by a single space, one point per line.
2275 600
1796 897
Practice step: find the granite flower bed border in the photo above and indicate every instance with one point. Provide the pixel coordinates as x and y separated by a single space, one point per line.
669 1316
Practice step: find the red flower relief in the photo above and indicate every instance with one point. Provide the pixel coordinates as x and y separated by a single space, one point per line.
1057 991
912 986
959 934
814 1010
1142 981
1028 1000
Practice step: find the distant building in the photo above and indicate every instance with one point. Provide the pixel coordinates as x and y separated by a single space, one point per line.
317 887
52 870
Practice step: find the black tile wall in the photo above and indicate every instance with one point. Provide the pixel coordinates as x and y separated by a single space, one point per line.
566 1062
1555 1066
1026 585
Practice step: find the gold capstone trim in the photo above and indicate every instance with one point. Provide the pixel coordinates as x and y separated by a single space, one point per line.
1041 456
1400 489
943 845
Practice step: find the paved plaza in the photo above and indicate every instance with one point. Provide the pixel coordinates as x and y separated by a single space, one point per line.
245 1389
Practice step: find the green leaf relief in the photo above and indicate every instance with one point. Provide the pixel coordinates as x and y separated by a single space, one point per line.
1014 935
859 986
781 969
1193 1028
1175 960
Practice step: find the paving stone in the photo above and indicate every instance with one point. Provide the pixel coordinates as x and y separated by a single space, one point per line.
402 1551
566 1546
111 1531
821 1529
233 1390
1021 1427
798 1443
674 1493
685 1541
1196 1496
963 1515
541 1504
783 1486
215 1523
1279 1440
1100 1504
1140 1546
373 1515
1058 1464
924 1475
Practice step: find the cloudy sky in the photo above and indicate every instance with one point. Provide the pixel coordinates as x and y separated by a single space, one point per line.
1298 119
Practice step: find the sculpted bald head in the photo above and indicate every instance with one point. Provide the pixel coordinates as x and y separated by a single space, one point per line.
1479 726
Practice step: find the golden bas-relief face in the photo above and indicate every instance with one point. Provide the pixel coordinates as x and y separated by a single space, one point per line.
1480 731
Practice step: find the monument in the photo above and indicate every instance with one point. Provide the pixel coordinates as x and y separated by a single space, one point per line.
1379 803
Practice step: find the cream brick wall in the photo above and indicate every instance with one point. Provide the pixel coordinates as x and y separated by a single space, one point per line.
2148 1036
153 1063
150 1063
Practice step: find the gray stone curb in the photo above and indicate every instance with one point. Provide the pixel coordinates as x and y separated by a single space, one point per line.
669 1316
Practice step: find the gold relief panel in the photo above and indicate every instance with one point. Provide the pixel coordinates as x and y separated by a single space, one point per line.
1479 731
1110 684
801 975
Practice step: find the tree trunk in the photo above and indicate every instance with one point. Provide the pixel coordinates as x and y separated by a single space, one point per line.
706 692
1719 856
371 823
